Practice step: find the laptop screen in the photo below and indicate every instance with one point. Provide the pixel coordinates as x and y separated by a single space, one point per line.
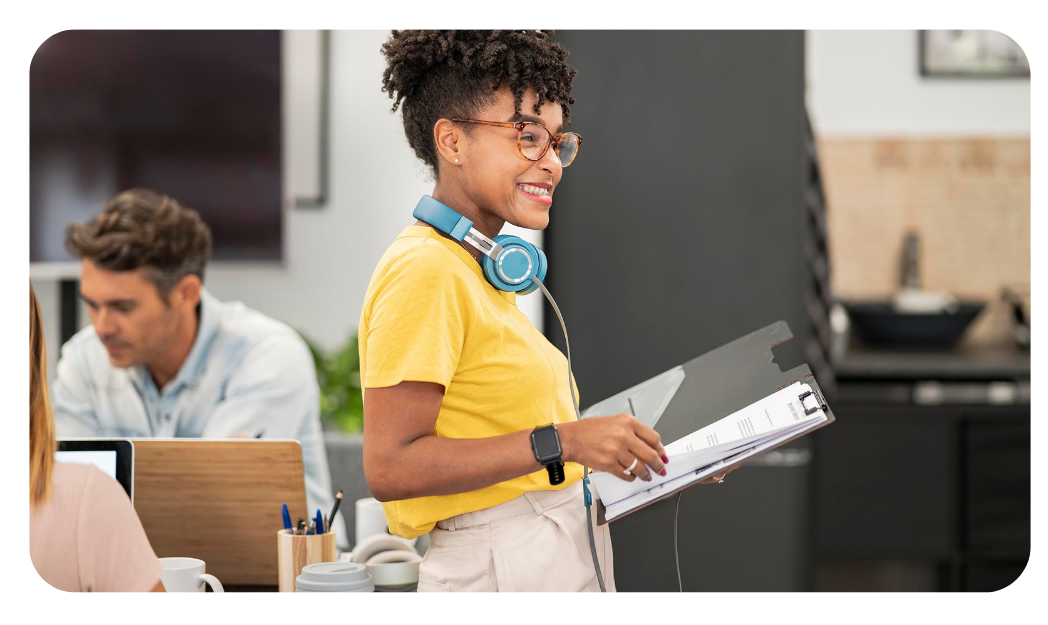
114 457
104 460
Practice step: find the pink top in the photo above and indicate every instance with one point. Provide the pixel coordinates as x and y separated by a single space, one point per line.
87 537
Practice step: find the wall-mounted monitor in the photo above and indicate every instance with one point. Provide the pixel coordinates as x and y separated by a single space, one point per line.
195 115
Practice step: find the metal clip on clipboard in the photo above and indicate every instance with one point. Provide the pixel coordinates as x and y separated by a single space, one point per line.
819 404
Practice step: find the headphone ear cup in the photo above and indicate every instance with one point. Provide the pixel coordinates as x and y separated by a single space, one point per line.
491 270
539 272
514 250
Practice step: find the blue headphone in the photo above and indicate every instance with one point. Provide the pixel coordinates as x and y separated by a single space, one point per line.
509 261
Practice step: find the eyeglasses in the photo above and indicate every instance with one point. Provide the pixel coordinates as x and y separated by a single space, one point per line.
533 140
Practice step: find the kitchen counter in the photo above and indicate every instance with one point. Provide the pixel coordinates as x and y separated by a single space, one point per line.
966 362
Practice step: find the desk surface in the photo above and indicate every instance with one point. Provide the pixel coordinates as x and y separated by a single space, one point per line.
249 588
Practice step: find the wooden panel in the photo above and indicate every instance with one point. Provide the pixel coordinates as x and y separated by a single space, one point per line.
219 501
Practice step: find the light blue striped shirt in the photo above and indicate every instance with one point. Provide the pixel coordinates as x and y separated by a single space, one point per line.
245 373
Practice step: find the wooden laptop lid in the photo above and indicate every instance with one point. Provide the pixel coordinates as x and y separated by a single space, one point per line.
220 501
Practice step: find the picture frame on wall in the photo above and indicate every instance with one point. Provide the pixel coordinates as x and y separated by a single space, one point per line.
307 73
970 54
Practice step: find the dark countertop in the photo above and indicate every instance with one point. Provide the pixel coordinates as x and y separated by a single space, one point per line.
966 362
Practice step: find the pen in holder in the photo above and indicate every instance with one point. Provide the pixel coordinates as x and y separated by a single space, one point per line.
296 551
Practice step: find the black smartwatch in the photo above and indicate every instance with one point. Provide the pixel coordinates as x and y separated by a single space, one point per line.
545 442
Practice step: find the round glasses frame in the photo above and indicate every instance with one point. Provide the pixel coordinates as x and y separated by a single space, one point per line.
520 126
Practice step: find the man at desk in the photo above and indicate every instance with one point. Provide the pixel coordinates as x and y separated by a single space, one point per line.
164 358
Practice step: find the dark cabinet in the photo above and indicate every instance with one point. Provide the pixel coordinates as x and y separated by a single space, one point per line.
910 497
991 575
883 478
996 482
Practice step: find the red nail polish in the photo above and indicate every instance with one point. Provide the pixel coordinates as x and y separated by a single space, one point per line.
663 473
665 460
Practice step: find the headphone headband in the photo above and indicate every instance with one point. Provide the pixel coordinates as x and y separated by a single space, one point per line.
442 217
511 261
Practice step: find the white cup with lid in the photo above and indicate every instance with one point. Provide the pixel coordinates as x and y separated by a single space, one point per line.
334 577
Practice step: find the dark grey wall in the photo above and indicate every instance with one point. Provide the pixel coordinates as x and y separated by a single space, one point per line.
677 230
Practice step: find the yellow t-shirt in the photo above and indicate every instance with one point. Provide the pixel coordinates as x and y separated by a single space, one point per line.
430 316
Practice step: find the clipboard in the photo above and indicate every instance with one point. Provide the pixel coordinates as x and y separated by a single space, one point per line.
718 383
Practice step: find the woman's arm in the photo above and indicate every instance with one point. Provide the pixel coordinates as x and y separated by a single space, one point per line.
403 459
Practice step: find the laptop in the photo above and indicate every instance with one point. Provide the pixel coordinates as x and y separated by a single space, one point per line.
220 500
114 456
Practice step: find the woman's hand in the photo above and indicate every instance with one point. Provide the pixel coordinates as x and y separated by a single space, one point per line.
611 444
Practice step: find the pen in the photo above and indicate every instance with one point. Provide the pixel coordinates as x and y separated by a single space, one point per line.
287 518
301 531
260 433
334 511
312 527
320 522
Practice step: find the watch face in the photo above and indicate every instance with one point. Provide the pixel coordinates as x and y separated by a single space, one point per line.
547 444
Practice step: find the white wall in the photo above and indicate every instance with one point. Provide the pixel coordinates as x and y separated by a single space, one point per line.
375 181
867 83
374 184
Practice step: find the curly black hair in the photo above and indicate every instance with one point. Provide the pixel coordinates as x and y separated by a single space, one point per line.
454 73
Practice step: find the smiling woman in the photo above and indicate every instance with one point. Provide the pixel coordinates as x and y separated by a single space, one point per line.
470 430
456 73
460 93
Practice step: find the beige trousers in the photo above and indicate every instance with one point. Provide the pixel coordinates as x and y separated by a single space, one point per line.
536 542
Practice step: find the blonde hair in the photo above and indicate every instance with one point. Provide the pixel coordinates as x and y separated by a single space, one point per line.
42 443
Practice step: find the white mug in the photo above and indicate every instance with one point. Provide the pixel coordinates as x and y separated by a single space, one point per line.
187 575
371 519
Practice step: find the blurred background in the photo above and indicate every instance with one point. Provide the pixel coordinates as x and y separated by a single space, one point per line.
871 188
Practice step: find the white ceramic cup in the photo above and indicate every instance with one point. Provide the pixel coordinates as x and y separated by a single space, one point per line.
187 575
371 518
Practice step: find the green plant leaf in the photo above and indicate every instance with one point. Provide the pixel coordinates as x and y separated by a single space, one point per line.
338 377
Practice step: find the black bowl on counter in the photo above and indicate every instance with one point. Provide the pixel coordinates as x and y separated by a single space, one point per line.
878 323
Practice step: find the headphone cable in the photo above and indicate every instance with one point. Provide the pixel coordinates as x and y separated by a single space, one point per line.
585 470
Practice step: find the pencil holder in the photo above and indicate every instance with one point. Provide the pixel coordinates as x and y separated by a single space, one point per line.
295 552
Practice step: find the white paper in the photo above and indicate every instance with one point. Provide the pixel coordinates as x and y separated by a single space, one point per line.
696 456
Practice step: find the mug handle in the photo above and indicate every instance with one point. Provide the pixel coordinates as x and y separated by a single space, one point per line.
216 586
